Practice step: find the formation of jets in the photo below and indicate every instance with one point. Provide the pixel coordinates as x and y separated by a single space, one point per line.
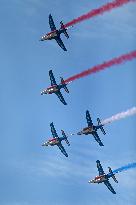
91 129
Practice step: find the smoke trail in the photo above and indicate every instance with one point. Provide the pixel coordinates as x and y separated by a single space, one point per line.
114 61
107 7
124 168
119 116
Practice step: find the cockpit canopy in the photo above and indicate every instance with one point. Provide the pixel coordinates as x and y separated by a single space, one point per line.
50 89
97 177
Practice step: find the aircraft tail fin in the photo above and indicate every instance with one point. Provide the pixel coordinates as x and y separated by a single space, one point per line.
64 29
112 175
65 137
99 123
64 85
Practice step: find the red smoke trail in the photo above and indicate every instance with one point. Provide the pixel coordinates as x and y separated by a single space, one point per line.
95 12
108 64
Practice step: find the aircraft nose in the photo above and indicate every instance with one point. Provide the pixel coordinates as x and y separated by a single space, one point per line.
90 181
43 92
45 144
79 133
41 39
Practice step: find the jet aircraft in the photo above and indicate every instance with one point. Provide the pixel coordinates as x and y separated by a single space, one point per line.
57 140
104 178
92 129
55 88
55 34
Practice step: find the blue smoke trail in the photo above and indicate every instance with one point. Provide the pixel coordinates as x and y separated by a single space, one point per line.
124 168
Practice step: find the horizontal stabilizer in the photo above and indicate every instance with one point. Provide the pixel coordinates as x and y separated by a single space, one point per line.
112 175
101 126
65 137
64 29
64 85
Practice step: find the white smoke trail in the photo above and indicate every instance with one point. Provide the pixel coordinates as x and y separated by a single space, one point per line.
119 116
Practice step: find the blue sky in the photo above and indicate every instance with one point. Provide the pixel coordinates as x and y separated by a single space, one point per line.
31 174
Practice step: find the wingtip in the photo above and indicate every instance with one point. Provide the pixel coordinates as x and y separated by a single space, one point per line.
87 112
102 145
97 161
50 70
114 192
51 123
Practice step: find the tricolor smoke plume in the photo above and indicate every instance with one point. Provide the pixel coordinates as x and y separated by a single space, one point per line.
99 11
124 168
115 61
119 116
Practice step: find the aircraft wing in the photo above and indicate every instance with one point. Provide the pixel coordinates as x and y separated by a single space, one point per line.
99 167
51 23
97 138
60 96
107 183
60 146
60 43
88 118
53 131
52 79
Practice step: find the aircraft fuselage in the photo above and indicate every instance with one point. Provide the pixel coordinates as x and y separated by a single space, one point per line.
52 89
52 34
99 179
87 130
53 141
49 36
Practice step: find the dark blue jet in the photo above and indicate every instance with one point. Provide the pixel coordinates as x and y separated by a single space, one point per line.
104 177
57 140
55 34
92 129
55 88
